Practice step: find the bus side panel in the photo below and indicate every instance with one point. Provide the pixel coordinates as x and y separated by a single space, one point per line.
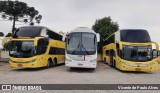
107 53
59 47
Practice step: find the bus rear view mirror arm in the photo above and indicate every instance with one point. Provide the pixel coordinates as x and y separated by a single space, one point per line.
157 46
64 37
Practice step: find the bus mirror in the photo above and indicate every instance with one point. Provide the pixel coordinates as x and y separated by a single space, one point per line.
157 45
155 53
64 37
98 37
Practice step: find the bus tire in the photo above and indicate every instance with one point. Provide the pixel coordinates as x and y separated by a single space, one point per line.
111 64
55 62
92 68
49 63
72 68
105 60
114 64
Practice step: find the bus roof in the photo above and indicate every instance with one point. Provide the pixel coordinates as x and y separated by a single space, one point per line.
33 26
127 35
134 35
40 27
83 29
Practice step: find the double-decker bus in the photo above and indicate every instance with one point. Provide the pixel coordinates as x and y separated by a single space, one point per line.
81 48
131 50
34 47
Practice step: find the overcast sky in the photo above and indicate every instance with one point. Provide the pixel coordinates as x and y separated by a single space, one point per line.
65 15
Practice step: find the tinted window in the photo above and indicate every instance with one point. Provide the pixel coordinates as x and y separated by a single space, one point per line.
107 52
111 39
42 46
28 32
58 51
135 36
54 35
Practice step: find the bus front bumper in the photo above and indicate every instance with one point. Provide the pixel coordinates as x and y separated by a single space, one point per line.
152 68
23 65
81 64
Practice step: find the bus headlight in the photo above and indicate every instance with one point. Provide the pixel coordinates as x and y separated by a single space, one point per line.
94 60
68 60
28 61
136 65
151 64
124 63
23 62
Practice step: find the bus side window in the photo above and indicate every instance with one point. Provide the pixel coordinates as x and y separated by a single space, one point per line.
107 52
57 51
42 46
114 53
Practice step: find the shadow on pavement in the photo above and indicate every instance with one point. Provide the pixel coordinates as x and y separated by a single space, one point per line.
81 70
35 69
129 72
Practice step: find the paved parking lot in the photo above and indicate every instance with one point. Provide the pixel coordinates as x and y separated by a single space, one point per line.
103 74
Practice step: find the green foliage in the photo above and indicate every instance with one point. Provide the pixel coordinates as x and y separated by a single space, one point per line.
8 35
105 27
16 11
1 34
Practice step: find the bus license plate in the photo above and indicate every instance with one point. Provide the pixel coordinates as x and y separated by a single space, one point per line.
138 69
20 65
80 64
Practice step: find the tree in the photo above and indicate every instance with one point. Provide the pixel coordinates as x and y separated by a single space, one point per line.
1 34
18 11
105 27
8 35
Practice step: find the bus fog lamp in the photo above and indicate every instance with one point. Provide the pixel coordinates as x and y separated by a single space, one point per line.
151 64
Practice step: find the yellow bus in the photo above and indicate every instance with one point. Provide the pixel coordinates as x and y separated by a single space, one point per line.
34 47
131 50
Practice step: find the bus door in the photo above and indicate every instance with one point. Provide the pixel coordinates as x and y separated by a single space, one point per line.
111 57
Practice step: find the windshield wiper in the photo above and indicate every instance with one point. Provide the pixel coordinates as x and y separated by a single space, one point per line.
85 50
76 48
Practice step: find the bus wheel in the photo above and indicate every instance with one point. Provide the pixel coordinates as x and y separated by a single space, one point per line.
49 64
114 64
105 60
92 68
111 64
54 62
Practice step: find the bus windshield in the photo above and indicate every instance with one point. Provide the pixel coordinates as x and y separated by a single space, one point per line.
22 49
137 53
81 43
